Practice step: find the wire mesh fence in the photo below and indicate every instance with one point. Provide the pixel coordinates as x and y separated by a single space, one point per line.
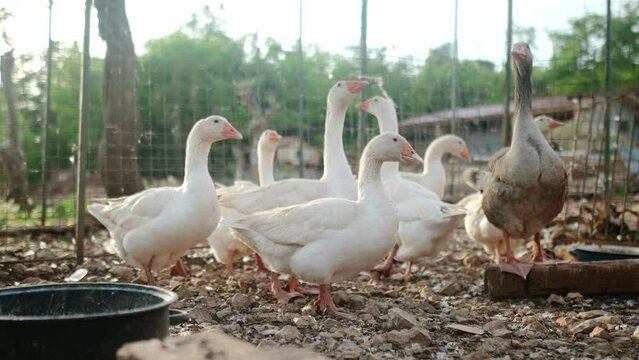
188 75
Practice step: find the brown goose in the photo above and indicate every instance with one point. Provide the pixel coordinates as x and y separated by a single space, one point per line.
526 185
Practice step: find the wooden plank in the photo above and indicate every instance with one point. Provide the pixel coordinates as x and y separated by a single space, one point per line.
587 278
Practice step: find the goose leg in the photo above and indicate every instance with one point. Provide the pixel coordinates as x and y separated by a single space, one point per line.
294 285
282 296
385 268
179 269
259 264
407 275
512 264
327 305
229 262
150 279
498 251
539 252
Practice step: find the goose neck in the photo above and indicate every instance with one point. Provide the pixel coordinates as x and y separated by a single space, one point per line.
335 162
196 163
369 182
265 166
522 117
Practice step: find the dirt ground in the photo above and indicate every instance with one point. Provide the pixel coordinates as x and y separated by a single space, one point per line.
442 313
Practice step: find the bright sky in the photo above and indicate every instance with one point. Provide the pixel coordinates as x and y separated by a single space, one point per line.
404 27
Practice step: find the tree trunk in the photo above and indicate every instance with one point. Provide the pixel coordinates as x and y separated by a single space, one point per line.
259 119
11 153
118 146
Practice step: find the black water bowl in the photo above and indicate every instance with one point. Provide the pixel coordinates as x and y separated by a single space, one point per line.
81 320
604 252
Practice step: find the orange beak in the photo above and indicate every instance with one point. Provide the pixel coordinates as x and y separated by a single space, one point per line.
552 124
364 105
410 156
274 137
355 87
229 132
465 154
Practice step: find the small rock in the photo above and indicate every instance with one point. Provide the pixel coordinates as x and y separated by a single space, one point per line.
590 314
555 299
588 325
635 334
574 297
240 301
309 310
598 332
419 335
478 355
397 338
377 340
350 332
562 321
467 329
552 344
597 349
95 265
4 274
44 254
45 269
124 273
200 314
495 324
401 319
32 271
371 309
448 288
19 269
622 342
224 312
496 345
532 343
288 333
349 350
304 321
331 323
500 332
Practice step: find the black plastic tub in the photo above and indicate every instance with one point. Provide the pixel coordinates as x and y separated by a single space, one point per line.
81 320
604 252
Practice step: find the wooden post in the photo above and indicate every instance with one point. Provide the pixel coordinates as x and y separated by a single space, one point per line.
82 142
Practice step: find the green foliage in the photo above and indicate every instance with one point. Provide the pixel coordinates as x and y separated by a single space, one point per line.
578 61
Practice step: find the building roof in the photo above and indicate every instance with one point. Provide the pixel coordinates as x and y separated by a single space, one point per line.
542 105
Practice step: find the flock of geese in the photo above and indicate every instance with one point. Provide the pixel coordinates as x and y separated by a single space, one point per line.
330 229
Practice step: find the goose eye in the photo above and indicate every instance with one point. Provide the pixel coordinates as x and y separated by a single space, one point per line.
395 139
339 84
216 121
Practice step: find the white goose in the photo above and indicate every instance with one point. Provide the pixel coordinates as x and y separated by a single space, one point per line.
476 224
153 228
337 180
224 245
425 222
331 239
433 177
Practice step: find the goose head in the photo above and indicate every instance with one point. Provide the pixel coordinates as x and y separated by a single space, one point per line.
545 123
344 91
269 139
215 128
522 58
393 147
377 106
455 145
